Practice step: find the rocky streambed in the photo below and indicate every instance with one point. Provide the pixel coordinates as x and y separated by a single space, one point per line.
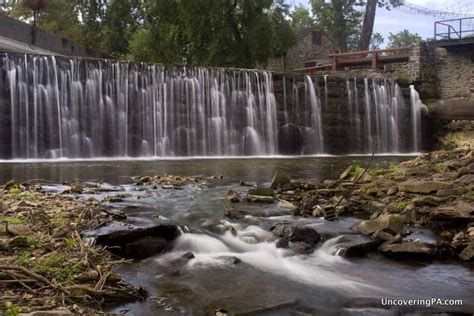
210 245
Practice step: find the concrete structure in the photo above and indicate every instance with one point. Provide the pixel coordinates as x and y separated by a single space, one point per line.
16 36
311 45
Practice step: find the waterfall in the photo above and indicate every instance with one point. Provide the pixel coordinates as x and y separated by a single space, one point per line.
416 107
58 107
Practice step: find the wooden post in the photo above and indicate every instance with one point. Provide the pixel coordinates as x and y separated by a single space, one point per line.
375 61
334 63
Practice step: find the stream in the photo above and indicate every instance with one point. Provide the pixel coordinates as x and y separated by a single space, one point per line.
244 272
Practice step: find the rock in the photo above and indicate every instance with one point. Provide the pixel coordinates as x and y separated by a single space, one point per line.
466 170
230 259
3 206
232 196
426 187
465 179
345 173
446 192
427 200
188 255
410 250
351 246
259 199
468 253
248 183
220 312
233 213
282 243
18 229
280 178
376 206
147 240
261 191
145 247
144 180
296 233
286 205
393 224
392 190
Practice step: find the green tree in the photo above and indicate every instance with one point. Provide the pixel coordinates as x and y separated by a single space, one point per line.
339 19
403 39
376 41
301 18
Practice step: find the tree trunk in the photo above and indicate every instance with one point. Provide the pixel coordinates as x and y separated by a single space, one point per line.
368 26
340 32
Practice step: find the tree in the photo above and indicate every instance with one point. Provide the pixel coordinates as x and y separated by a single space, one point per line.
376 41
369 19
403 39
339 19
301 18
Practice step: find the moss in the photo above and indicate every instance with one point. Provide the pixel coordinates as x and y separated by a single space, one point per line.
57 266
440 167
356 171
14 190
14 220
395 171
69 243
375 171
403 82
60 219
401 205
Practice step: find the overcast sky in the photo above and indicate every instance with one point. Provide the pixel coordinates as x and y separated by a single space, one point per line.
397 20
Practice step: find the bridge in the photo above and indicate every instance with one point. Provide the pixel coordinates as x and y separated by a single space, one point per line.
19 37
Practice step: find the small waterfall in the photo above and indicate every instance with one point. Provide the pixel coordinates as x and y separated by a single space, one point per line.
57 107
416 107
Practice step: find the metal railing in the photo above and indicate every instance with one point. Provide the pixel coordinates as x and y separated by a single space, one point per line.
454 29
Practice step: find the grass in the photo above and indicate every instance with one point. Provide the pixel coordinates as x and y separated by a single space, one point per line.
54 264
13 220
12 309
60 219
440 167
356 171
375 171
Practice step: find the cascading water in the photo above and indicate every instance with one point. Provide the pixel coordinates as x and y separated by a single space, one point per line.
55 107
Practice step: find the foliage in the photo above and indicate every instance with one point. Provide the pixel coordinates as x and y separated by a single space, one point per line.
55 265
340 20
12 309
403 81
357 171
403 39
375 171
376 41
401 205
14 220
301 18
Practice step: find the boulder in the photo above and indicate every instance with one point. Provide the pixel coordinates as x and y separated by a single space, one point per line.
351 246
410 250
261 191
468 253
230 259
296 233
280 178
232 196
145 247
121 242
390 223
427 200
425 187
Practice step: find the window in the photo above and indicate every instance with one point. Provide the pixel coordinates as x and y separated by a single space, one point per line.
316 37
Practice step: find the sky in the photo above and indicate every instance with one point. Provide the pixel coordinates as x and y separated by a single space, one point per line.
393 21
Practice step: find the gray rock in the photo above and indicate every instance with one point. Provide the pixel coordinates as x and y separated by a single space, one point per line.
230 259
145 247
411 250
393 224
356 246
425 187
286 205
427 200
468 253
296 233
466 179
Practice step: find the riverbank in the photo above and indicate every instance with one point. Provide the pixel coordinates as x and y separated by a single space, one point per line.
46 262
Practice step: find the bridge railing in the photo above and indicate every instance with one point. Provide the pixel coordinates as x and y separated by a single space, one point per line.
372 59
454 29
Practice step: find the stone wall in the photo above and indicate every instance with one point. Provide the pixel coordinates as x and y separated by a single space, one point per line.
454 71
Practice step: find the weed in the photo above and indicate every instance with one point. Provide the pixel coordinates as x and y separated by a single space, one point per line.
14 220
12 309
401 205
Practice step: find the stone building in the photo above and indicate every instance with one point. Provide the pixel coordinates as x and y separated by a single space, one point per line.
311 45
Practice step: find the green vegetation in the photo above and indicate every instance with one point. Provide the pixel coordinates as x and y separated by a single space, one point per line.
12 309
375 171
356 171
401 205
403 39
54 264
440 167
14 219
403 82
14 190
395 171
